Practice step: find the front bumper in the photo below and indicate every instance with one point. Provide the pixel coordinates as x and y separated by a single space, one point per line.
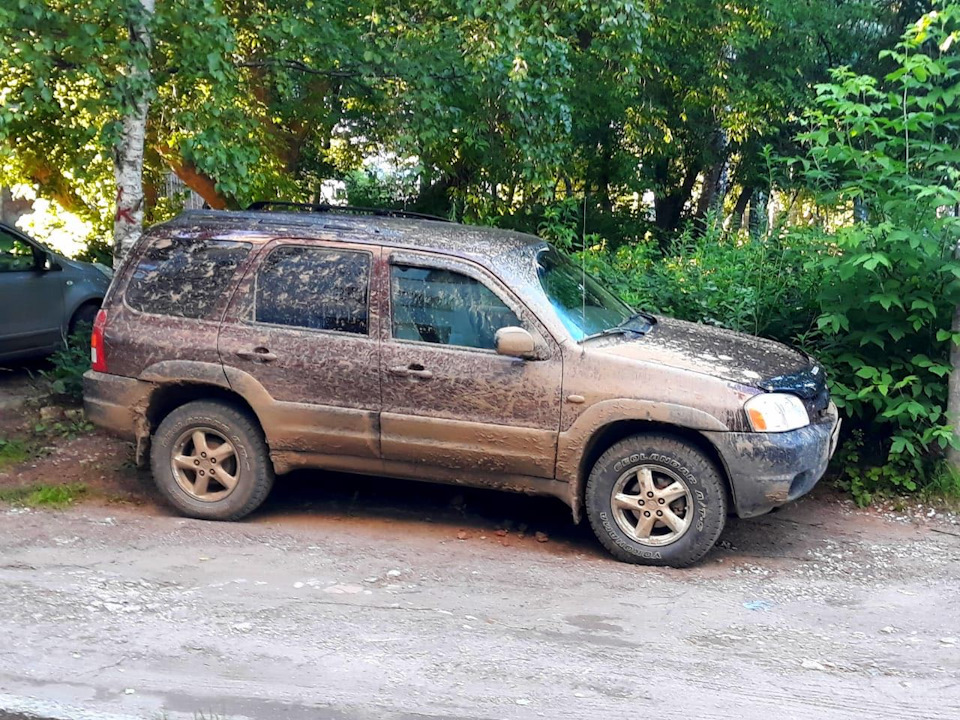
767 470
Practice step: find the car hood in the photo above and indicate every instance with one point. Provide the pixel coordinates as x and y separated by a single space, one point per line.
732 356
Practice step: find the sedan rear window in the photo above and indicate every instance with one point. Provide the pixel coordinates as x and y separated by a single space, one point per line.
184 277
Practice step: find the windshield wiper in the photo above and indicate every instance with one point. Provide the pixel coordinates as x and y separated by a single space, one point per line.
627 326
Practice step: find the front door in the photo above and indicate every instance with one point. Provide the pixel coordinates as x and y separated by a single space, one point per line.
31 298
300 342
449 399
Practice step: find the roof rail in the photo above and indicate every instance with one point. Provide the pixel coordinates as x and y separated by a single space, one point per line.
262 205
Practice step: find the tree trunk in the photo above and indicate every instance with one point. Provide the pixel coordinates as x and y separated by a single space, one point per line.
953 385
128 151
668 206
758 213
740 209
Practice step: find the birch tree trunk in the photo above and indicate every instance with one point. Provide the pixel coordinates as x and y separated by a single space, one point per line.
953 384
128 151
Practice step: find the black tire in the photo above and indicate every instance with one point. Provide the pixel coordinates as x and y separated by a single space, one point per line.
82 320
254 471
661 454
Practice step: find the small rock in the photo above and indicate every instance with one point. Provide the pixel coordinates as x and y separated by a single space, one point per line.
243 627
542 537
501 533
394 573
462 535
889 629
811 665
370 579
129 691
948 640
522 701
74 414
50 412
298 585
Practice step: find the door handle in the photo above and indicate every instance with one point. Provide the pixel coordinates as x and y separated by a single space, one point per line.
412 370
260 354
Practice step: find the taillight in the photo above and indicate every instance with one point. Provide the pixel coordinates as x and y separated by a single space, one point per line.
98 355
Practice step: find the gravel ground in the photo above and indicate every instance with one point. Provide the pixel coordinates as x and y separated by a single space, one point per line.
350 598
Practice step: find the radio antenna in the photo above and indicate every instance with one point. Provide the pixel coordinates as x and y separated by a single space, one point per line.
583 261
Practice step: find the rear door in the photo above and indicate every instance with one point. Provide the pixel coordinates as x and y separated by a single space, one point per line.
449 399
302 335
31 298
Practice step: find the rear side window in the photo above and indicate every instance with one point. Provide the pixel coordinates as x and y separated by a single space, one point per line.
184 277
316 288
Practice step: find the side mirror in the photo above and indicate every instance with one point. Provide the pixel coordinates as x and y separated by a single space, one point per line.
50 263
515 342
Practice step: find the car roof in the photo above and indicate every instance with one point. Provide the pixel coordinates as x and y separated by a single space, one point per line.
449 238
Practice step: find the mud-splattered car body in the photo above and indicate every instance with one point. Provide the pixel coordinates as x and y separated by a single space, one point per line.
371 393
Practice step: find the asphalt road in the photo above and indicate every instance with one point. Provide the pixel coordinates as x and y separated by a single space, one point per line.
393 602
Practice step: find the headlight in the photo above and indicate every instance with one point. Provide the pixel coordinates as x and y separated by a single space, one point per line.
776 412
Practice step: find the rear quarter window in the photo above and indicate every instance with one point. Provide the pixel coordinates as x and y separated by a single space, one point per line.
184 277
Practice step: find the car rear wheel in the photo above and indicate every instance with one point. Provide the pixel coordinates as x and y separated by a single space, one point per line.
210 461
656 500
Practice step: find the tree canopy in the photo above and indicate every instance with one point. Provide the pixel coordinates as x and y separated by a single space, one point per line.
503 105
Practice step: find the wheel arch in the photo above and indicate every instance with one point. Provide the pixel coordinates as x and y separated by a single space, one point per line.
90 302
167 397
607 435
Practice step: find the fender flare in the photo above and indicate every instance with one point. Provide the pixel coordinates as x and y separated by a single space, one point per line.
576 441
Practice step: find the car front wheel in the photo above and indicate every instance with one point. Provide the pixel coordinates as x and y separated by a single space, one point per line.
656 500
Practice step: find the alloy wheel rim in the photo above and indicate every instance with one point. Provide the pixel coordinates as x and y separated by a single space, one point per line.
204 464
652 505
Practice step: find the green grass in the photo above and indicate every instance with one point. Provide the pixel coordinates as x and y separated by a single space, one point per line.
945 487
40 495
13 452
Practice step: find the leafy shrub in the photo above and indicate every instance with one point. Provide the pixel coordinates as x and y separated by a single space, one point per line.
68 366
888 299
762 285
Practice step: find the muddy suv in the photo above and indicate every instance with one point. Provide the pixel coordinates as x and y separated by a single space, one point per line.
234 346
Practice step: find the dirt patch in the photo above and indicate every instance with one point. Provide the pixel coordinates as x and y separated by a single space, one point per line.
51 449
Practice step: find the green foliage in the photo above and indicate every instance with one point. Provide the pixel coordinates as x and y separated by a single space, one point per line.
756 285
891 145
68 365
41 495
12 452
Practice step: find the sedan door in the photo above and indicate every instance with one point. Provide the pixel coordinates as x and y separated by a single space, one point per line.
449 400
31 298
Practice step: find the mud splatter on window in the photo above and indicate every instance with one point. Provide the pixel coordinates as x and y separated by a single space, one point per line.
316 288
445 307
184 277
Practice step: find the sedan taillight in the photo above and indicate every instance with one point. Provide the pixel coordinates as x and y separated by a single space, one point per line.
98 355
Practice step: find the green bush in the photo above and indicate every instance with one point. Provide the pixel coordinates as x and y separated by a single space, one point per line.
763 286
68 366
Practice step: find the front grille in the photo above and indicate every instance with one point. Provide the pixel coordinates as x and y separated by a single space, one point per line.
818 404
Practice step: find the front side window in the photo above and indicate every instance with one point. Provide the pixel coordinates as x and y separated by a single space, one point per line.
583 305
316 288
15 254
445 307
184 277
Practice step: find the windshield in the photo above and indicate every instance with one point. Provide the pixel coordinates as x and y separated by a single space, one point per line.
583 305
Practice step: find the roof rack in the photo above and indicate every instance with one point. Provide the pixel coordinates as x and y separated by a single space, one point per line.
262 205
